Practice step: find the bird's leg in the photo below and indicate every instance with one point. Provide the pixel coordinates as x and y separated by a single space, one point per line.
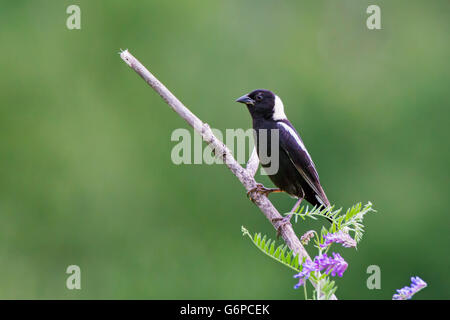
287 220
297 205
262 190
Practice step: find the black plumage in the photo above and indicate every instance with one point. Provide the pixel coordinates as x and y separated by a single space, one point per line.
297 174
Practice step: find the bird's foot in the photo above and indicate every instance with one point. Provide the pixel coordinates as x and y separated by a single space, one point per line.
261 190
281 222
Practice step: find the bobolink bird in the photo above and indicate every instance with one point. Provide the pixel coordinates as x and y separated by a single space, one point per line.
296 174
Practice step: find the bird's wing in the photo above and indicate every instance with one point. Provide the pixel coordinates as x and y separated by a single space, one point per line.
293 145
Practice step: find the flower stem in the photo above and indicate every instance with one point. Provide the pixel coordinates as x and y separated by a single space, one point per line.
304 289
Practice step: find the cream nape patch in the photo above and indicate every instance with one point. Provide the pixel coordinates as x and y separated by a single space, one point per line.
278 110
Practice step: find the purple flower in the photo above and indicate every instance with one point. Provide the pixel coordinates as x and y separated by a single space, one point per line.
336 265
308 267
339 237
406 293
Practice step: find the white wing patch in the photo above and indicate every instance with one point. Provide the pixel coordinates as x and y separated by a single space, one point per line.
304 175
295 136
278 110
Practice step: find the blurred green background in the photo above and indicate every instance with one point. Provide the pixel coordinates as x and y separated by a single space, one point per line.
86 176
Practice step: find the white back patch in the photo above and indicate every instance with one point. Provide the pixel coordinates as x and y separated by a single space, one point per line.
295 136
278 110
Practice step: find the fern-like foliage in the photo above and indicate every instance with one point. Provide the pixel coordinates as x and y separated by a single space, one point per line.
279 253
350 221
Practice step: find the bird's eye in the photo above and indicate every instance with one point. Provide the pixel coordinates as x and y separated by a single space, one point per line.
259 97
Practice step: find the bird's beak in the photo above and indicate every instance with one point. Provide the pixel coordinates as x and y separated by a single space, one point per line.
246 100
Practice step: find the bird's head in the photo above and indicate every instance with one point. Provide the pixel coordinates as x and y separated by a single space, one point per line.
263 104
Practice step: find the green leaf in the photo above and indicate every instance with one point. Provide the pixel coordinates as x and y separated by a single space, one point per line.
295 262
272 248
280 254
263 241
288 257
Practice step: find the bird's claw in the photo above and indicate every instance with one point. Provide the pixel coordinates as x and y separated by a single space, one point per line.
281 223
262 190
258 189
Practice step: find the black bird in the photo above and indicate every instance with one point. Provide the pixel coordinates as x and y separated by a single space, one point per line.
297 174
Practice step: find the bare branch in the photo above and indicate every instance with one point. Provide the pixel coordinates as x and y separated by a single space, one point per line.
245 176
253 163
